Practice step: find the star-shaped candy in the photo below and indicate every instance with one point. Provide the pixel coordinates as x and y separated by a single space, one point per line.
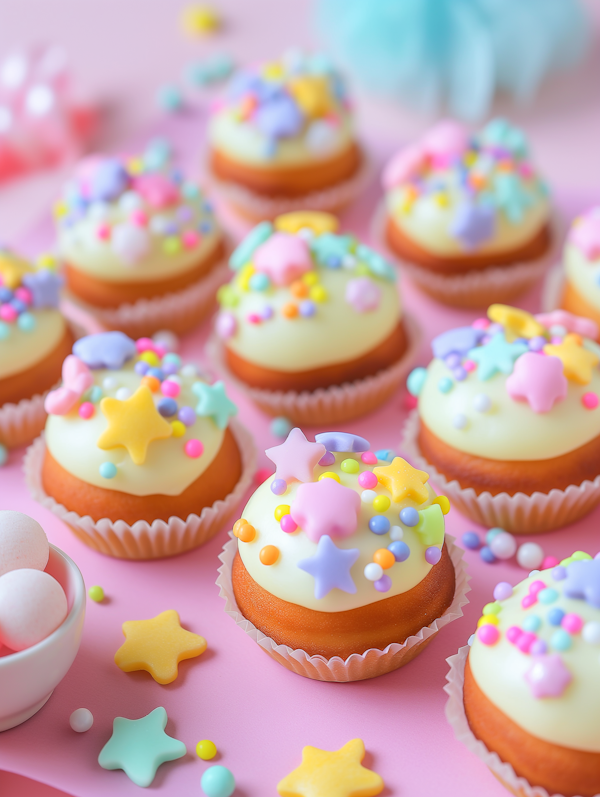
572 323
213 402
133 424
456 341
296 457
326 507
583 581
517 323
157 646
330 567
539 380
332 774
45 287
548 676
403 481
577 361
12 270
510 196
139 747
343 442
105 350
496 356
283 257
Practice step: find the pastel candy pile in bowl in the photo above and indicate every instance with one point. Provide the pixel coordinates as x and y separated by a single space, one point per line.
32 603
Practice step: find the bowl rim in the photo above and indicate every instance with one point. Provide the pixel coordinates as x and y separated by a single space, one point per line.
70 619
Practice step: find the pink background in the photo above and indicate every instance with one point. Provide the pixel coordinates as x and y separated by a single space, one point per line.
258 714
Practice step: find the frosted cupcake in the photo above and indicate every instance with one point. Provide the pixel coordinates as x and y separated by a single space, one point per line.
140 457
282 138
508 418
141 244
581 291
530 690
34 340
311 325
467 214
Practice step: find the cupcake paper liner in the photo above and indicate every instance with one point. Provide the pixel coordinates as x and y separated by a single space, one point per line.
336 404
553 288
143 540
356 667
477 288
519 513
179 312
21 423
455 714
257 207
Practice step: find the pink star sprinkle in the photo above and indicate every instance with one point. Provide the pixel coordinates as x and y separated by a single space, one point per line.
296 457
572 323
538 379
585 234
363 294
548 676
283 257
157 190
326 507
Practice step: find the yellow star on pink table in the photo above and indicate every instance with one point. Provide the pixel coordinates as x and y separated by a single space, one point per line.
296 458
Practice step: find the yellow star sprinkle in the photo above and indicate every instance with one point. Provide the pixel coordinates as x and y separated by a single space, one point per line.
133 424
12 270
311 92
518 323
313 220
335 774
577 361
403 481
157 646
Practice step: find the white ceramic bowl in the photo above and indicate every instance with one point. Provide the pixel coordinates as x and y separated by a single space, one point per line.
28 678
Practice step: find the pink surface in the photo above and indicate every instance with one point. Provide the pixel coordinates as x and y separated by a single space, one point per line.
258 714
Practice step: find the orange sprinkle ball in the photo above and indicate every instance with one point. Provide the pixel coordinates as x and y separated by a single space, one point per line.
243 530
289 310
384 558
299 289
152 382
269 554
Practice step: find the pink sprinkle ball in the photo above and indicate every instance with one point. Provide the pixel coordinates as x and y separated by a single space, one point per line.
8 313
288 524
190 239
528 601
32 606
480 323
369 458
513 633
139 217
23 543
194 448
550 561
469 365
410 402
367 480
536 586
86 410
488 634
261 476
170 388
589 401
572 623
144 344
525 641
23 295
103 232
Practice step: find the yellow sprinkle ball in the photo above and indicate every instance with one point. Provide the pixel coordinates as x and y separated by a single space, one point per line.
329 475
206 749
318 293
178 428
311 278
443 502
199 20
151 358
488 619
381 503
350 466
280 511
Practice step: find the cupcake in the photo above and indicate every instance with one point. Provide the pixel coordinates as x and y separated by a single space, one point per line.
508 420
140 457
581 289
34 341
141 244
467 215
311 324
282 138
341 557
530 681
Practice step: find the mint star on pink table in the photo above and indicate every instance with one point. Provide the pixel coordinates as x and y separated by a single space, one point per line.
330 566
296 457
585 234
326 507
548 676
538 379
283 257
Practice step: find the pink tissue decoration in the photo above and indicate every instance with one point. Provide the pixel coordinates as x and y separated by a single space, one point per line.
572 323
404 166
77 378
585 234
283 257
538 379
326 507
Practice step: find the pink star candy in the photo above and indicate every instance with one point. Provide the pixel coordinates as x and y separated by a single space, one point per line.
585 234
538 379
572 323
283 257
548 676
296 457
445 142
326 507
363 294
77 378
157 190
403 167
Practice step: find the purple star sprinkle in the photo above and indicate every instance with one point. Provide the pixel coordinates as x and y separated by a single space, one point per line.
583 581
330 567
456 341
45 287
343 442
105 350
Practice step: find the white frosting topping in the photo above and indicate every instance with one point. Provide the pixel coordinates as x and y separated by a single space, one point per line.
21 350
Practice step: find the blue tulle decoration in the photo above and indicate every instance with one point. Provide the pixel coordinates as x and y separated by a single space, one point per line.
453 53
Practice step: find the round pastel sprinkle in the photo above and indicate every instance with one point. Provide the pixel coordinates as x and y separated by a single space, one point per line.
433 555
369 458
373 571
503 545
86 410
502 591
379 524
187 416
547 596
280 427
167 407
530 555
278 486
81 720
327 459
269 554
385 558
538 648
367 480
555 616
409 516
382 503
95 394
383 584
110 383
96 594
108 470
288 524
572 623
170 388
329 475
460 421
590 400
488 634
532 623
492 533
400 550
445 384
178 428
416 380
487 555
350 466
549 561
471 540
385 454
591 633
559 573
218 781
482 403
193 448
368 496
205 749
396 533
561 640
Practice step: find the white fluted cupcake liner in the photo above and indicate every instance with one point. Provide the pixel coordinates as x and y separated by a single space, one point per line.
356 667
21 423
456 716
257 207
477 288
519 513
144 540
179 312
331 405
